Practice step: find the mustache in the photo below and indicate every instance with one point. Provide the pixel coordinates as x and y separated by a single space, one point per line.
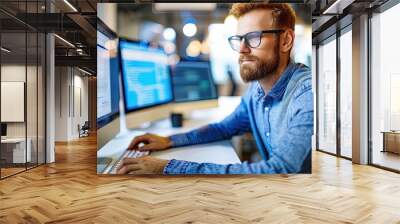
247 58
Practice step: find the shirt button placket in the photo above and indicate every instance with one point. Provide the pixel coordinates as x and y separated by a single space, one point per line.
266 110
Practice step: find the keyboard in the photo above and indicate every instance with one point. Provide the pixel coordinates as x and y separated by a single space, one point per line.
102 164
127 154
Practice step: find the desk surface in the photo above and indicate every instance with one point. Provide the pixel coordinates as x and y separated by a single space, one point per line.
221 152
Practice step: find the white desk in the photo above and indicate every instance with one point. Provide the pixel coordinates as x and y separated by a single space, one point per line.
221 152
18 149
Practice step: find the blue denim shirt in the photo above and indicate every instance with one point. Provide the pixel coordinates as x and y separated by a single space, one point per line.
281 122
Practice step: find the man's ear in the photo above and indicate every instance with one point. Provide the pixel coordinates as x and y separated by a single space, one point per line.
287 40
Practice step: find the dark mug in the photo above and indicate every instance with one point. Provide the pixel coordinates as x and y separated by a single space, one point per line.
176 120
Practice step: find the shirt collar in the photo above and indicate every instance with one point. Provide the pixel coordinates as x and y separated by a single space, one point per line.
279 87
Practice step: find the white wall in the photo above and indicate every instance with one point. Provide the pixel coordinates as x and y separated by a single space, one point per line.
79 117
12 73
71 93
61 103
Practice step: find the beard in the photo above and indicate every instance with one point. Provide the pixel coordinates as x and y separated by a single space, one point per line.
260 68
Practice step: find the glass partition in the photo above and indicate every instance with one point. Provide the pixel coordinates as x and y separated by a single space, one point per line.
327 96
22 77
385 89
346 94
14 152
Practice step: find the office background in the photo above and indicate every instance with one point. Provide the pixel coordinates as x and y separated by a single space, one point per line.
357 84
26 51
44 95
67 188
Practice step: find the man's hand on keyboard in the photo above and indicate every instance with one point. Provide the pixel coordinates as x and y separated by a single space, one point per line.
142 165
151 143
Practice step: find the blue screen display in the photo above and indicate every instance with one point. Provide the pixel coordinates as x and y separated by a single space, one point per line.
145 74
193 81
108 89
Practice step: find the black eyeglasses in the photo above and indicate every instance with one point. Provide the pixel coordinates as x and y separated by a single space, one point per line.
252 39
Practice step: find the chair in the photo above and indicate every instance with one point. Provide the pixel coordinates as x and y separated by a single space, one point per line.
84 130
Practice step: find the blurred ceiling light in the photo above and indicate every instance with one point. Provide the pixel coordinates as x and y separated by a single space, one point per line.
173 59
169 47
150 31
65 41
185 6
189 29
169 34
70 5
5 50
299 30
205 47
194 48
230 22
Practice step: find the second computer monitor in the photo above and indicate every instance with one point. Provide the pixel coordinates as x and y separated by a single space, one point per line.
146 81
108 91
194 86
193 81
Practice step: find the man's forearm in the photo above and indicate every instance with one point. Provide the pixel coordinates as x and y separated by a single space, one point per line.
186 167
205 134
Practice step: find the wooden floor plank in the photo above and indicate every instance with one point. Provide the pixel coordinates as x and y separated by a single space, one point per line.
70 191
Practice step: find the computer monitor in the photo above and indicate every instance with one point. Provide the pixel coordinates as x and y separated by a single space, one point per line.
146 82
194 86
108 91
3 129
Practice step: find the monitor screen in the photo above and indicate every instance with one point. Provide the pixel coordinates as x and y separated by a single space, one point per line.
107 77
193 81
146 77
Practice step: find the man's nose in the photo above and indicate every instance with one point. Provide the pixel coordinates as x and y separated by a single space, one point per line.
244 48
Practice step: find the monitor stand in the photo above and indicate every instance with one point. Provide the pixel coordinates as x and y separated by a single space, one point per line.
125 132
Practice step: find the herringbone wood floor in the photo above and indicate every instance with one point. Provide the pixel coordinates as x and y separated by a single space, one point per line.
69 191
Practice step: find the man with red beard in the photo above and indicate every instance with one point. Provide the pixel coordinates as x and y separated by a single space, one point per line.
277 107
